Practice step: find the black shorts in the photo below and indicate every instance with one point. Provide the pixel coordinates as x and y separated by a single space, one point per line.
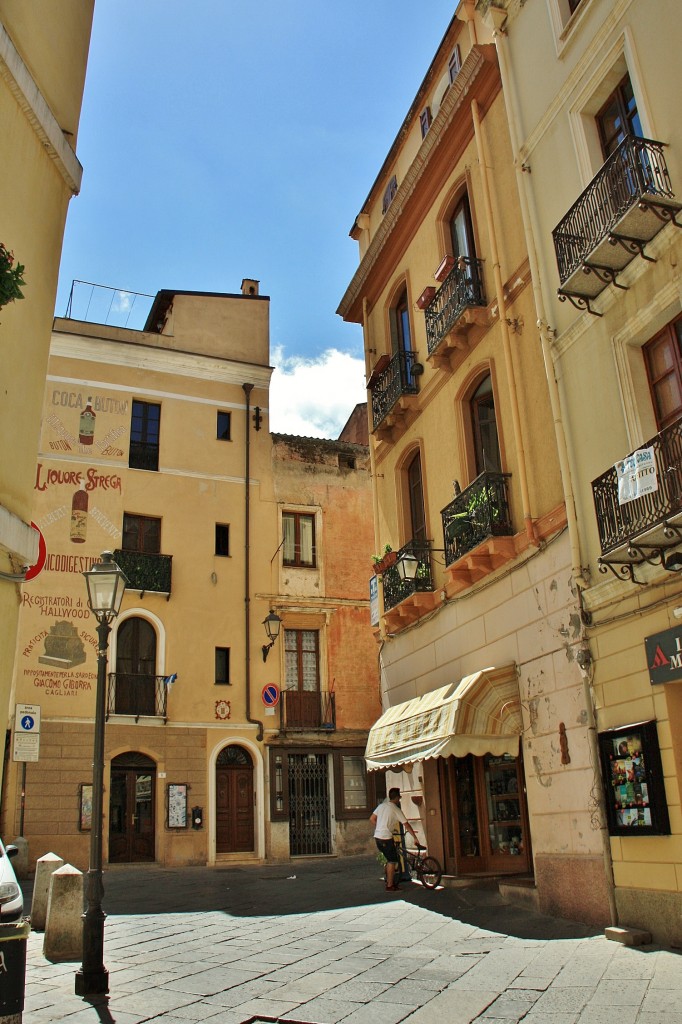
389 849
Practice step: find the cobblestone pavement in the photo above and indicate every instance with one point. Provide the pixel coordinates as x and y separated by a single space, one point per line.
321 941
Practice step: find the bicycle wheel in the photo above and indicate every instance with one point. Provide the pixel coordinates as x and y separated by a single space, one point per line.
430 872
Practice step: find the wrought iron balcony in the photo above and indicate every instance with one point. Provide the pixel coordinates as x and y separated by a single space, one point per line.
479 512
625 205
308 710
397 379
463 287
143 455
137 695
146 572
397 589
641 529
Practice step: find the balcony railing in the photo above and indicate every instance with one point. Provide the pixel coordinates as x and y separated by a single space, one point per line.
479 512
146 572
396 589
624 206
462 287
137 694
399 378
308 709
620 525
143 455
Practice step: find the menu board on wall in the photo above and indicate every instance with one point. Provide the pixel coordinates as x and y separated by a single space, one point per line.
633 781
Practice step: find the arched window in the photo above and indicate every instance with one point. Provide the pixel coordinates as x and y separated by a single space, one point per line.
135 691
461 230
484 427
416 497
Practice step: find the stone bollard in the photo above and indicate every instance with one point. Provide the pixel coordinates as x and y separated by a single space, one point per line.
41 889
64 928
20 862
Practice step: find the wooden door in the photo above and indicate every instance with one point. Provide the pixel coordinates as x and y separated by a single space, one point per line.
234 802
131 815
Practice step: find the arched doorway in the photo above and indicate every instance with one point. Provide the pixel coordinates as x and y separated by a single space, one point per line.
131 808
234 801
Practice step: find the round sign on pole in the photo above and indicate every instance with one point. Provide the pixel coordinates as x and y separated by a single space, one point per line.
270 695
33 570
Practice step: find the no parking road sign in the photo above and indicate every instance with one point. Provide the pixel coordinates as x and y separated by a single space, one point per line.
270 695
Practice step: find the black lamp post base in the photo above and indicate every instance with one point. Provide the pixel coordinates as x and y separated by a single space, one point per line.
92 983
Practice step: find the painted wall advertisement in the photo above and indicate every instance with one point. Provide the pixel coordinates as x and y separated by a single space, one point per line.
78 509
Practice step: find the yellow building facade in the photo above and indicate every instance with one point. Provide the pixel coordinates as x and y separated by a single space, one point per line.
488 716
155 445
43 56
598 151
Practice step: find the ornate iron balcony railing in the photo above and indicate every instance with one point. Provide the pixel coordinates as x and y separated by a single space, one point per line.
399 378
308 709
461 288
145 571
635 171
143 455
479 512
137 694
396 589
621 524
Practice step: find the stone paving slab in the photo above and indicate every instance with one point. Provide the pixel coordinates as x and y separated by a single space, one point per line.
225 945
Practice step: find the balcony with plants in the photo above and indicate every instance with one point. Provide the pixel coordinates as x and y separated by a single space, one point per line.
148 573
406 600
478 535
393 384
638 506
625 205
455 310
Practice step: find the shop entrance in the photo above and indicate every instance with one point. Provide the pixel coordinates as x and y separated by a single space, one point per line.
309 815
485 821
131 809
234 801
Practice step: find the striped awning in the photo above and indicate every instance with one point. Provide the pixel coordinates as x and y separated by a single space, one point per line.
481 714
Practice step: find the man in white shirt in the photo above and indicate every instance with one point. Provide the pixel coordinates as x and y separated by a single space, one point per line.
385 819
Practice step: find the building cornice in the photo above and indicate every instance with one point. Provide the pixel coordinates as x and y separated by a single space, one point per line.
432 163
37 112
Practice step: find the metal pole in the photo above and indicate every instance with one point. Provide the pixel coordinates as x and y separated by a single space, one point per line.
23 799
93 977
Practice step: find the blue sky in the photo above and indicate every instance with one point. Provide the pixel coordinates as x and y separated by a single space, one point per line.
223 140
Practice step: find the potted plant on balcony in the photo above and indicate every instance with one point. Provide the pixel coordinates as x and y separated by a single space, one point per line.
384 561
11 277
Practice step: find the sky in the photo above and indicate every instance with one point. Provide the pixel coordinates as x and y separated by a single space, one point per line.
225 140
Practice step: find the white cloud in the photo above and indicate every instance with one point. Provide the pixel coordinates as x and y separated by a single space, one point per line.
315 397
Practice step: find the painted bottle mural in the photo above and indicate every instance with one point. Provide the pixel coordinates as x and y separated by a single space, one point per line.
86 430
79 516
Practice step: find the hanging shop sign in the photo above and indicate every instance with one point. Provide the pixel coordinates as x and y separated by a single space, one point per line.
664 656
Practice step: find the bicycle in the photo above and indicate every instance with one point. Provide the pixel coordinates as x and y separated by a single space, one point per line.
423 869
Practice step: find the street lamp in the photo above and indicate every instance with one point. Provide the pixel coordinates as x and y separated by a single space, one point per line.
272 623
106 584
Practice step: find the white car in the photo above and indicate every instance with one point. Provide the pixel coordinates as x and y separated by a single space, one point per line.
11 896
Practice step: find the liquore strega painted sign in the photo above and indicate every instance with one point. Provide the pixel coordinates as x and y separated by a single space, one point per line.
664 656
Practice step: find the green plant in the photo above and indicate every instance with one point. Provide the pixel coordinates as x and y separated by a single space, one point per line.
379 558
11 277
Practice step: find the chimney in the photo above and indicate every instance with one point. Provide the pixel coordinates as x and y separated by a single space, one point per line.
249 286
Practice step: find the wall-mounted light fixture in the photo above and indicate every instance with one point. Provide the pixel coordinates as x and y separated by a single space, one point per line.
408 563
272 623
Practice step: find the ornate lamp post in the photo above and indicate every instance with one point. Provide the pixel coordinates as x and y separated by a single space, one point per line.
106 584
272 623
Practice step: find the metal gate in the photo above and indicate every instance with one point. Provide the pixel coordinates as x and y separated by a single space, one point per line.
309 822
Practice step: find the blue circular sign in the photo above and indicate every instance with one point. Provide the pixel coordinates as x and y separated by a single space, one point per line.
270 695
27 723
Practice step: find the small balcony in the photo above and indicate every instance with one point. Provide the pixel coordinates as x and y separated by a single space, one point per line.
138 695
635 530
625 205
406 601
146 572
391 390
455 309
308 710
477 530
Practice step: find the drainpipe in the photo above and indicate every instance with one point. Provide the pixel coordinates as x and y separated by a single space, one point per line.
248 388
530 229
502 310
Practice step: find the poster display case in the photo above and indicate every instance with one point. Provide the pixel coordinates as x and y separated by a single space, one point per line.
633 781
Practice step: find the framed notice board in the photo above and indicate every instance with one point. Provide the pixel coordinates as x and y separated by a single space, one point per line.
633 781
